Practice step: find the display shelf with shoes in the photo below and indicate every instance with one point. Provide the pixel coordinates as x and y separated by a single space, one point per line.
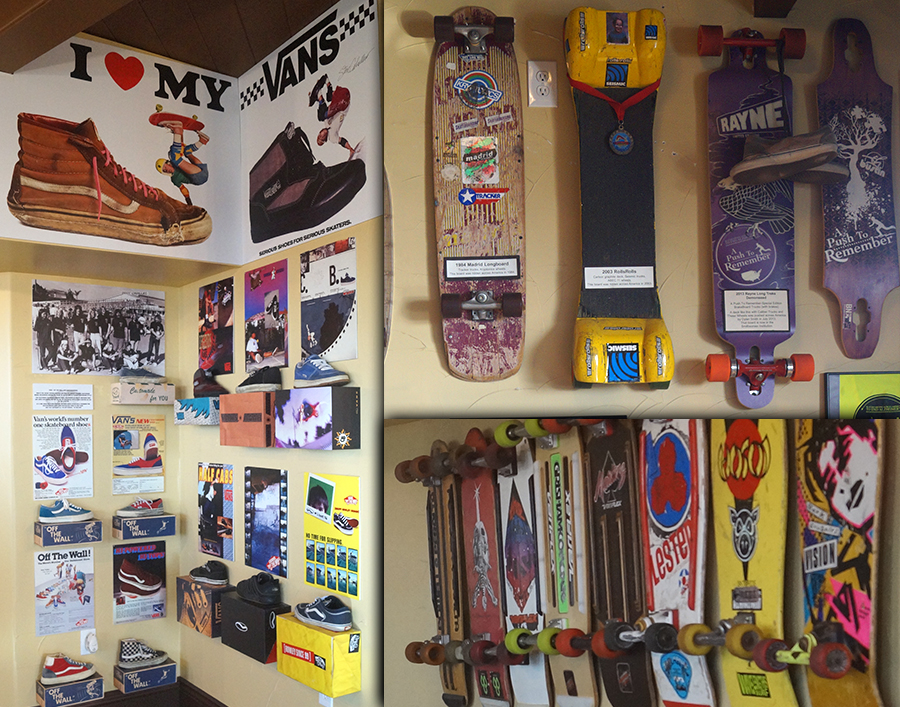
247 420
315 371
205 385
64 681
262 589
129 680
327 612
66 524
250 628
212 572
197 411
142 393
341 653
199 605
260 381
153 526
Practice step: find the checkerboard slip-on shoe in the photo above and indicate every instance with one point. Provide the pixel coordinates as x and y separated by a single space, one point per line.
261 588
205 385
63 512
65 179
327 612
212 572
316 371
291 191
137 654
59 670
49 470
263 380
768 161
132 574
141 508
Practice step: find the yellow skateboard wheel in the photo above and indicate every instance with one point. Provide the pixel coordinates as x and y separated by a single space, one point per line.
511 640
686 636
740 639
546 643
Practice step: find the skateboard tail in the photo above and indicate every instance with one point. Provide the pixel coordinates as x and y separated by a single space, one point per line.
622 351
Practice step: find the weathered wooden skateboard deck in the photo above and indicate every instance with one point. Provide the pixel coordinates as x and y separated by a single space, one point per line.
839 465
674 486
567 602
861 264
484 568
617 555
620 336
479 187
523 530
749 509
752 225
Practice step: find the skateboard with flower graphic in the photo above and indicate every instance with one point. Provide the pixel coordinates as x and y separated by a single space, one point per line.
479 193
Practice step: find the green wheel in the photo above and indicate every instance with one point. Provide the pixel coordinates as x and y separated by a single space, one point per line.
533 428
546 642
504 434
511 640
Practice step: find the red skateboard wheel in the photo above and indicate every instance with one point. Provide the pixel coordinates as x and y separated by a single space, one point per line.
421 467
830 660
478 655
794 43
710 40
600 648
402 472
498 457
718 368
764 655
804 367
564 642
554 426
432 654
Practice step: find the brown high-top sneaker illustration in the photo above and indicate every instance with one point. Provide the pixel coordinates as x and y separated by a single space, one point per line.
66 180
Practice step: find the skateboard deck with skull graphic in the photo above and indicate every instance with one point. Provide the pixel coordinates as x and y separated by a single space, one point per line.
748 461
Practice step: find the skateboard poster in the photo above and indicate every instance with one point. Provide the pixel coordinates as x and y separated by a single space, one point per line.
266 519
96 329
166 136
317 418
64 590
216 327
331 533
139 582
328 300
862 395
265 317
215 509
62 448
138 454
311 124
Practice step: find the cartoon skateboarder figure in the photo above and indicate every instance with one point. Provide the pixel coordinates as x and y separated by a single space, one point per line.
182 165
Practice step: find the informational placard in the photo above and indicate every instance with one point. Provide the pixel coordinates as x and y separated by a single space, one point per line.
265 317
138 454
756 310
328 300
62 449
215 509
52 396
266 520
331 530
139 582
64 590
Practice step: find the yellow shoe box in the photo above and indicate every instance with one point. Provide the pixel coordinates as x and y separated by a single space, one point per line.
324 660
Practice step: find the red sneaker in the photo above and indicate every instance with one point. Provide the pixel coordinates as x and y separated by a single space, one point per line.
59 669
142 507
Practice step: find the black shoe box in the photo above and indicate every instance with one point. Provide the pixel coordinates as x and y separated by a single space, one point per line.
250 628
200 605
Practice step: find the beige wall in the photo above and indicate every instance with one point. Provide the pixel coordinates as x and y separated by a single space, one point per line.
409 615
553 240
236 680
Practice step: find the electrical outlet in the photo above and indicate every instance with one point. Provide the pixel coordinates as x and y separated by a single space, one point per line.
542 80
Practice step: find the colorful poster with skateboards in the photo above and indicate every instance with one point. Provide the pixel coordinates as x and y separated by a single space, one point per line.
139 582
80 328
266 520
62 448
328 300
138 454
862 395
215 509
265 317
331 531
311 131
216 327
64 590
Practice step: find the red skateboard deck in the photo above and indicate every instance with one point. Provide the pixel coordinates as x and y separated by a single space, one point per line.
186 123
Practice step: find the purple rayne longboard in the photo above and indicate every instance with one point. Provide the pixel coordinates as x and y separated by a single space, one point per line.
752 225
860 243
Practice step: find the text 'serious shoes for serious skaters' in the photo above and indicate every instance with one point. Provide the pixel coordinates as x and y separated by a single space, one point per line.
327 612
58 670
137 654
290 190
316 371
263 380
133 579
150 463
66 180
141 508
63 512
212 572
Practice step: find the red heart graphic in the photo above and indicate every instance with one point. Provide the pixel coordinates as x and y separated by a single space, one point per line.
125 72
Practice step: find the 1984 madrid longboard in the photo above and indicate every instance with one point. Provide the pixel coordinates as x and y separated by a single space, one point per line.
861 265
674 484
615 62
752 225
479 193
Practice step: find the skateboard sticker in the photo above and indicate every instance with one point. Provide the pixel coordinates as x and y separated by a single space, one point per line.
623 363
745 257
474 197
761 118
480 160
478 89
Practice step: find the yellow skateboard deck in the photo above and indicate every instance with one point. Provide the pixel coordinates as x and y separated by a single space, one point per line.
749 503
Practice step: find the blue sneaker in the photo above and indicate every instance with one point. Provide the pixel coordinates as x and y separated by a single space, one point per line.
315 371
63 512
327 612
49 470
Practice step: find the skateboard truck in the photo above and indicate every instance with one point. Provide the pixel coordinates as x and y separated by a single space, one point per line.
511 432
656 631
822 650
462 460
474 36
739 636
721 367
482 304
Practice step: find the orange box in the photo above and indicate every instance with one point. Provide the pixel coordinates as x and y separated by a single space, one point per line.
247 420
